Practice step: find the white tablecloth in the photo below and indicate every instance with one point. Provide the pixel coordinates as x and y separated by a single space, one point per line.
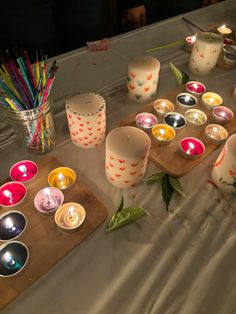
182 261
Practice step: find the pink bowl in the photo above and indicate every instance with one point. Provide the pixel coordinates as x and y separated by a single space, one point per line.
12 193
23 171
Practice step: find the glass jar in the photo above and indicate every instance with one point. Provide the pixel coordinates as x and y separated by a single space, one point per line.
34 127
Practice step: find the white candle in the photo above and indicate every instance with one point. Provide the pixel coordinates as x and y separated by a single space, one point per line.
143 76
127 150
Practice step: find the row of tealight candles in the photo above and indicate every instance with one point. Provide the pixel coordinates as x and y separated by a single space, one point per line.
48 201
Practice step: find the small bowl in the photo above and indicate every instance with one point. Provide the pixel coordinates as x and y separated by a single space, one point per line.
162 107
12 194
175 120
48 200
196 88
222 114
12 225
215 134
211 100
163 133
23 171
191 148
145 121
62 178
186 100
195 117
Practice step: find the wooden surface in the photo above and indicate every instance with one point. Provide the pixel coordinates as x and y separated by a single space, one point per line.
167 156
46 243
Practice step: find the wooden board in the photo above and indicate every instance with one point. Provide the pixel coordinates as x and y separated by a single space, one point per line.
46 243
167 157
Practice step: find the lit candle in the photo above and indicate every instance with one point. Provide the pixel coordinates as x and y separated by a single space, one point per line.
23 171
222 114
62 178
163 133
223 30
210 100
70 216
215 134
145 120
191 147
163 106
186 100
48 200
143 76
127 150
195 117
13 258
12 224
175 120
189 42
195 87
12 194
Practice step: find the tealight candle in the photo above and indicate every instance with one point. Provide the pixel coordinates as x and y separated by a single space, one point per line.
191 147
145 120
222 114
195 87
215 133
12 225
23 171
195 117
163 106
190 40
223 30
70 216
163 133
186 100
175 120
210 100
14 256
12 194
48 200
62 178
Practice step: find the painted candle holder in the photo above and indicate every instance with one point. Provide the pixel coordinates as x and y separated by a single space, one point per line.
191 148
14 256
23 171
145 121
186 100
163 133
175 120
222 114
12 193
215 134
48 200
12 225
195 117
62 178
127 150
162 107
211 100
86 115
143 76
70 216
195 88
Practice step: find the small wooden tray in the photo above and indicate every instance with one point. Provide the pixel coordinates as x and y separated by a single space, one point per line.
167 157
46 243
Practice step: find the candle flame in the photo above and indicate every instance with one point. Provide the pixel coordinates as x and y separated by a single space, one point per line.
222 113
163 104
22 168
177 117
8 258
194 38
7 193
148 120
223 27
195 85
162 131
187 98
211 100
46 192
195 115
61 177
71 211
191 145
9 223
215 129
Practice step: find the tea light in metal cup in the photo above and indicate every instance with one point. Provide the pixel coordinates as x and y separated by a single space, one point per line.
195 87
195 117
175 120
189 42
191 147
145 120
23 171
222 114
12 193
186 100
211 100
163 106
62 178
12 225
14 256
223 30
70 216
48 200
163 133
215 134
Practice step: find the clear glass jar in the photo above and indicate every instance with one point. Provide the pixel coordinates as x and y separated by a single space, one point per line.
34 127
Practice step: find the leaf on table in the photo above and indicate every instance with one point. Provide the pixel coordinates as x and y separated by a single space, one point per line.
124 217
156 177
121 206
175 183
167 190
181 76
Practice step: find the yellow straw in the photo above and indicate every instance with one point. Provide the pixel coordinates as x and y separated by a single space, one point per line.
11 104
7 78
174 43
37 72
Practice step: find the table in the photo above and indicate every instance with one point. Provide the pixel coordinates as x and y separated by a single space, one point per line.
177 262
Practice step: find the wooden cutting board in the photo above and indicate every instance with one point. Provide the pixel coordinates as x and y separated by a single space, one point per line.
46 243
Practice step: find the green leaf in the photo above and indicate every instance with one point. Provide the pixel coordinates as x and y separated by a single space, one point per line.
124 217
167 190
176 185
121 206
181 76
156 177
